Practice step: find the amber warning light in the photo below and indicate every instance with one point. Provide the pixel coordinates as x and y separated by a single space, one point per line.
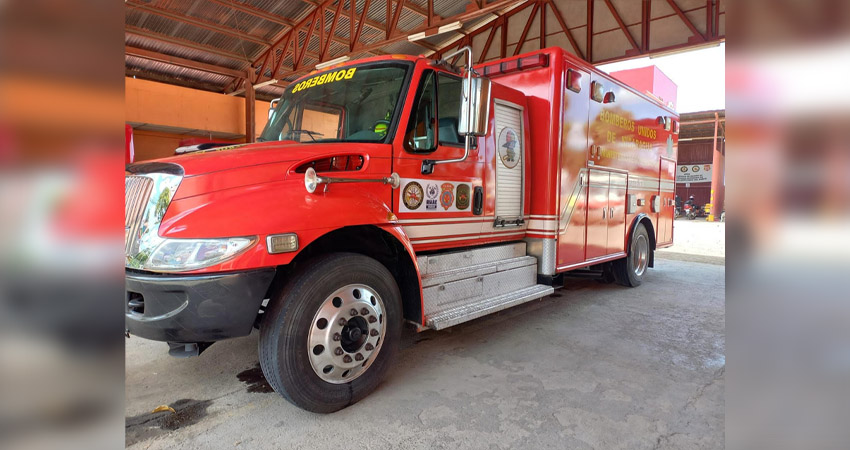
515 65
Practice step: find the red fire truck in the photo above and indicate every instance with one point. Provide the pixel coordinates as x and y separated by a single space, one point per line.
396 188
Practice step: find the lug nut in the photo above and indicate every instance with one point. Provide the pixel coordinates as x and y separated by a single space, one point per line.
364 311
342 322
372 319
337 336
353 312
358 357
369 347
338 351
347 359
374 332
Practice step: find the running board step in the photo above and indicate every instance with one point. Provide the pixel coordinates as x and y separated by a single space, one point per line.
480 308
477 270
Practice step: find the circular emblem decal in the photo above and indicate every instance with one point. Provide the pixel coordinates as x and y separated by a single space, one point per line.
695 169
509 148
413 195
462 196
683 169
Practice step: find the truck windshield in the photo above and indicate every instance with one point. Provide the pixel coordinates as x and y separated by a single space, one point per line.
355 104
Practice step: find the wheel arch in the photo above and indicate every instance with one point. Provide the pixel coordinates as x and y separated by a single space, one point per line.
644 219
387 245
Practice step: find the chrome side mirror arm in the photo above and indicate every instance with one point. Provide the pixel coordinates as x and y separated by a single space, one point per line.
312 180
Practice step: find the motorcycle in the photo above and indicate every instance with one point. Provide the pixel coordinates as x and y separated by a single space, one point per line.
694 211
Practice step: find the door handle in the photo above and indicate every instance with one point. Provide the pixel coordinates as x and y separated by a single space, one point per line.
478 200
611 212
603 212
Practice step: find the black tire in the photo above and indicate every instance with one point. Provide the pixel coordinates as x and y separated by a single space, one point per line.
630 270
286 325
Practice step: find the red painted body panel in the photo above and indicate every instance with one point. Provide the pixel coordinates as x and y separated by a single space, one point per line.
573 134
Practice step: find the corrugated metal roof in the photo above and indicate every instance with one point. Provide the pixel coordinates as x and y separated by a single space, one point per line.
224 36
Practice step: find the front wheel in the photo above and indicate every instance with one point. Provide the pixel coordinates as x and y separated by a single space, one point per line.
630 270
330 336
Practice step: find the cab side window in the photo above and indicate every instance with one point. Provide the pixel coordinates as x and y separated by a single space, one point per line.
421 130
449 94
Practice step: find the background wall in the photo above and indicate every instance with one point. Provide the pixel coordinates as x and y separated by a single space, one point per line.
163 115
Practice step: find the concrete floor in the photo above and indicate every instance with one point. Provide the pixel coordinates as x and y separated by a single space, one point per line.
698 238
592 366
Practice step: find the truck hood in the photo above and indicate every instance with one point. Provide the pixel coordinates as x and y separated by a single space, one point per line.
261 153
244 165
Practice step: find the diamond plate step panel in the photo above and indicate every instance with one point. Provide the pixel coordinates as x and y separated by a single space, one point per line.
460 273
430 264
474 310
445 296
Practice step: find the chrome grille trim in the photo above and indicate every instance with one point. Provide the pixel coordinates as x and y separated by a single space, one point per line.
137 191
147 197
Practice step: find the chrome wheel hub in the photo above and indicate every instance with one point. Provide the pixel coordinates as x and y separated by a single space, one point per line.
346 333
640 255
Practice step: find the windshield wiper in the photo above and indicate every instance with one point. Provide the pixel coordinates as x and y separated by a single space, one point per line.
309 133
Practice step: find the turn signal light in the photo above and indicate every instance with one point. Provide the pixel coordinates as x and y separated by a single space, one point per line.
282 243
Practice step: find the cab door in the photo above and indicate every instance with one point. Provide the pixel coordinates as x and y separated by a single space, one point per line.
436 209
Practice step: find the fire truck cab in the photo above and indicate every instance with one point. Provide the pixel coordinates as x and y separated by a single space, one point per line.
396 188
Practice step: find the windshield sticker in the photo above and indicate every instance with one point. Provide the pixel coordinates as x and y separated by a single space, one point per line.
329 77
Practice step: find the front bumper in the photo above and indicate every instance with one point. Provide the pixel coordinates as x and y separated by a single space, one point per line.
194 308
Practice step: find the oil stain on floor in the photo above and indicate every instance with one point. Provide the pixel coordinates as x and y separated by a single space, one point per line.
148 425
255 380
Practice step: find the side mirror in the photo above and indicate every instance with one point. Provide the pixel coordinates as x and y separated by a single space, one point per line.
272 106
475 108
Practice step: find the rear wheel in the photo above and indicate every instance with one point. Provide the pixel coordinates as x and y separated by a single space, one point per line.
630 270
329 337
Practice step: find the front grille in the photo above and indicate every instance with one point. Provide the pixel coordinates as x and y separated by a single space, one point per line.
137 192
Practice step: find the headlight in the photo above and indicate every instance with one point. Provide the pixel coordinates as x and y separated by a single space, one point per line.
177 255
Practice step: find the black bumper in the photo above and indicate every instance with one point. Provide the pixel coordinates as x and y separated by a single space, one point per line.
194 308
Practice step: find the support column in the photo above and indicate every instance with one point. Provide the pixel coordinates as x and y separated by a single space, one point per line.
717 188
250 113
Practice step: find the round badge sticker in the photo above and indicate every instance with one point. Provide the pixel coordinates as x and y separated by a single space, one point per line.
413 195
509 148
462 196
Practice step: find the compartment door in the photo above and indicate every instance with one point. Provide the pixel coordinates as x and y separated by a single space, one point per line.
667 192
597 213
617 212
510 159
